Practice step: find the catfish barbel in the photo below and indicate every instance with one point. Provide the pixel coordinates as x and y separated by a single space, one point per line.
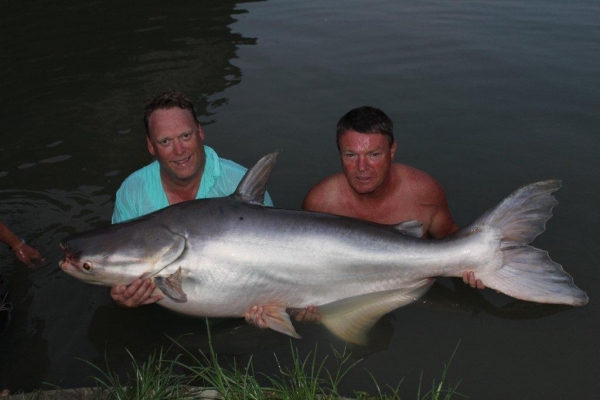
219 257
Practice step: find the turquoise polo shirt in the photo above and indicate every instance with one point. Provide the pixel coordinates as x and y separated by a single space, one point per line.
142 192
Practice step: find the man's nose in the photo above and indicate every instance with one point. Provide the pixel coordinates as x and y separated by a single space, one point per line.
178 147
361 163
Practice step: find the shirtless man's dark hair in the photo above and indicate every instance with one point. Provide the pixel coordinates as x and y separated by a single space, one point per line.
366 120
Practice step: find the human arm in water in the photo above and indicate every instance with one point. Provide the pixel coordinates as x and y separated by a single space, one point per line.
23 252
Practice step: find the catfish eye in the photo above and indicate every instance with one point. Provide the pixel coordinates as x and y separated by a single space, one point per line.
87 266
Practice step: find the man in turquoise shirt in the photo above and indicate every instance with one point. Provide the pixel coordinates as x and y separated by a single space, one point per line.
185 169
142 192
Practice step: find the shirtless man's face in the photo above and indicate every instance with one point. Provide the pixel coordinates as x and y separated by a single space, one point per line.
366 160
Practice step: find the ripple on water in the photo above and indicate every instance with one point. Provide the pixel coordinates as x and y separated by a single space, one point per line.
47 300
26 165
51 160
55 159
45 217
54 144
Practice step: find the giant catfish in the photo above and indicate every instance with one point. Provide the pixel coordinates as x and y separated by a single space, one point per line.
219 257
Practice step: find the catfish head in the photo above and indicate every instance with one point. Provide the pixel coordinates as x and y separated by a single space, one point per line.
119 254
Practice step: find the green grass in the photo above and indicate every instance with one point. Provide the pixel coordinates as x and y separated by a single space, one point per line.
306 378
5 306
154 379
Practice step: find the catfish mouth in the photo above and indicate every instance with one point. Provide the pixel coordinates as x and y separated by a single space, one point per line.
71 265
68 264
65 265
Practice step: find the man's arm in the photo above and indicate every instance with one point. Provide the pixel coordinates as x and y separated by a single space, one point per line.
137 294
431 195
443 225
320 197
23 252
309 203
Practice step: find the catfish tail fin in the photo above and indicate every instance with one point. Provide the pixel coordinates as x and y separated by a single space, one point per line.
522 216
528 273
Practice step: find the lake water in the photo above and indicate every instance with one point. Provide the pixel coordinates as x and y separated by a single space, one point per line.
485 95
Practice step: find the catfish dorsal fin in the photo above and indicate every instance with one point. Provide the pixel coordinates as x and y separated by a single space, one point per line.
254 184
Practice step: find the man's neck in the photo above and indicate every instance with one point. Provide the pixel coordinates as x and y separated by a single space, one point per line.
178 191
387 189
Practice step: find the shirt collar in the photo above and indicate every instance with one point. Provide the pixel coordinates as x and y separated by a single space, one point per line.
212 170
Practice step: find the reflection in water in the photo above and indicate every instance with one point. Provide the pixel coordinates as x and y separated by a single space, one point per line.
458 299
464 299
41 216
82 73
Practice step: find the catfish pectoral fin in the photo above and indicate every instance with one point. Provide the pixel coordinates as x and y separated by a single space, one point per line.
277 319
353 317
171 286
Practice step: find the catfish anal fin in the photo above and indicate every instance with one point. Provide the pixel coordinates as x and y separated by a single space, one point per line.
352 318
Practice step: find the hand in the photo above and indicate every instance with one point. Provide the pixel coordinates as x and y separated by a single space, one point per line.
137 294
309 314
469 279
254 316
28 255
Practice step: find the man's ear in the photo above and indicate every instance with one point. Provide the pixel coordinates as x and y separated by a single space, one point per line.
393 149
201 133
150 146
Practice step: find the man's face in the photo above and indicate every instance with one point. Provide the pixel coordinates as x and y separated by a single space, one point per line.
177 141
366 160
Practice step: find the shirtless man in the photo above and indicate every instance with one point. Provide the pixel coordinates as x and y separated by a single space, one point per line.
374 188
